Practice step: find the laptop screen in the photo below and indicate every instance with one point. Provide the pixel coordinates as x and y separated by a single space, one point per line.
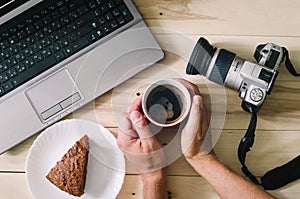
8 5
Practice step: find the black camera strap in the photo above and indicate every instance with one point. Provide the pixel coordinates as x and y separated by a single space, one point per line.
247 141
274 178
288 63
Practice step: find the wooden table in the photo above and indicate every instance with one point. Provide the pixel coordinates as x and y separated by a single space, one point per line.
238 26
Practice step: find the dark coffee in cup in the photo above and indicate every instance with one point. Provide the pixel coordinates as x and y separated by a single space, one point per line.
166 102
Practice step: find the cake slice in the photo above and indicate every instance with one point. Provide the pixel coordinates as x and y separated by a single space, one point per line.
69 173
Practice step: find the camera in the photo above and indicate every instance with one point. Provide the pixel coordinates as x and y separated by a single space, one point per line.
252 80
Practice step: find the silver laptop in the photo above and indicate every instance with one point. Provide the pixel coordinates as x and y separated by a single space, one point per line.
57 56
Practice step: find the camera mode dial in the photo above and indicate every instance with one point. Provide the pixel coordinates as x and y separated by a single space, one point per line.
256 94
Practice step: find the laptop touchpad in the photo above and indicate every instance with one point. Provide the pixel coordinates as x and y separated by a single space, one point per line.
54 95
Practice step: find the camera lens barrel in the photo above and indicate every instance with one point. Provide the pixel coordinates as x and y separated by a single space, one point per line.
221 66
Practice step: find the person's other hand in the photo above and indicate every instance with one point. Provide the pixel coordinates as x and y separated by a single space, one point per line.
196 128
139 145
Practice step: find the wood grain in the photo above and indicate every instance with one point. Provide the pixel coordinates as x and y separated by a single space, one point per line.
223 17
178 186
238 26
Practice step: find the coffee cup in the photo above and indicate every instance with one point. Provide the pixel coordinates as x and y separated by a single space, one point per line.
166 102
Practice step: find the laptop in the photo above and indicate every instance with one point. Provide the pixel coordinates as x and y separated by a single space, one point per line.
58 55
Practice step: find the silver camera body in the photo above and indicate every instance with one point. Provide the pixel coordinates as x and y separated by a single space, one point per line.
252 80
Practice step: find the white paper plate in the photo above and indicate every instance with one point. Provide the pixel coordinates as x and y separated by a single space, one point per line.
106 164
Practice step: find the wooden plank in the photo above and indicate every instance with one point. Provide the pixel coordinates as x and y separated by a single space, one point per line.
223 17
14 159
271 149
13 186
132 187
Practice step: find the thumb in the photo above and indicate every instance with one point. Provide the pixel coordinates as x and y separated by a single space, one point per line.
195 114
140 125
192 127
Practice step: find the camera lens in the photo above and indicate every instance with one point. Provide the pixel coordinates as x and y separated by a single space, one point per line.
200 58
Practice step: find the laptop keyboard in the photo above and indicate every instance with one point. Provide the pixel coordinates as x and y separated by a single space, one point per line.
50 32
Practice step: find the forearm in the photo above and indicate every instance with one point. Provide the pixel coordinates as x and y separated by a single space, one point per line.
155 191
155 185
226 183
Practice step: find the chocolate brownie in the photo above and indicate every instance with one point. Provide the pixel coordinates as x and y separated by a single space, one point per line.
69 174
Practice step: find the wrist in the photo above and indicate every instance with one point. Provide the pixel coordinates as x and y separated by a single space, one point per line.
200 160
154 177
155 184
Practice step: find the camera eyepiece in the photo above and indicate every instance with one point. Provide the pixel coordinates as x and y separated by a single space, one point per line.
257 53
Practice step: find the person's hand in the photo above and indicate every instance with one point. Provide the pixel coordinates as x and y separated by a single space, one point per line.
142 148
196 128
139 145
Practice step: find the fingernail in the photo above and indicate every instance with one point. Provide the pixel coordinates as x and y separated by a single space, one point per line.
135 116
196 99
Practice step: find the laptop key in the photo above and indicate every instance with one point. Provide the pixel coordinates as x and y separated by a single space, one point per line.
2 91
111 4
79 44
37 57
11 61
83 31
125 12
59 3
3 77
4 44
84 20
113 24
29 62
82 10
20 67
91 4
11 72
75 4
3 67
68 51
121 20
4 54
8 86
59 56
